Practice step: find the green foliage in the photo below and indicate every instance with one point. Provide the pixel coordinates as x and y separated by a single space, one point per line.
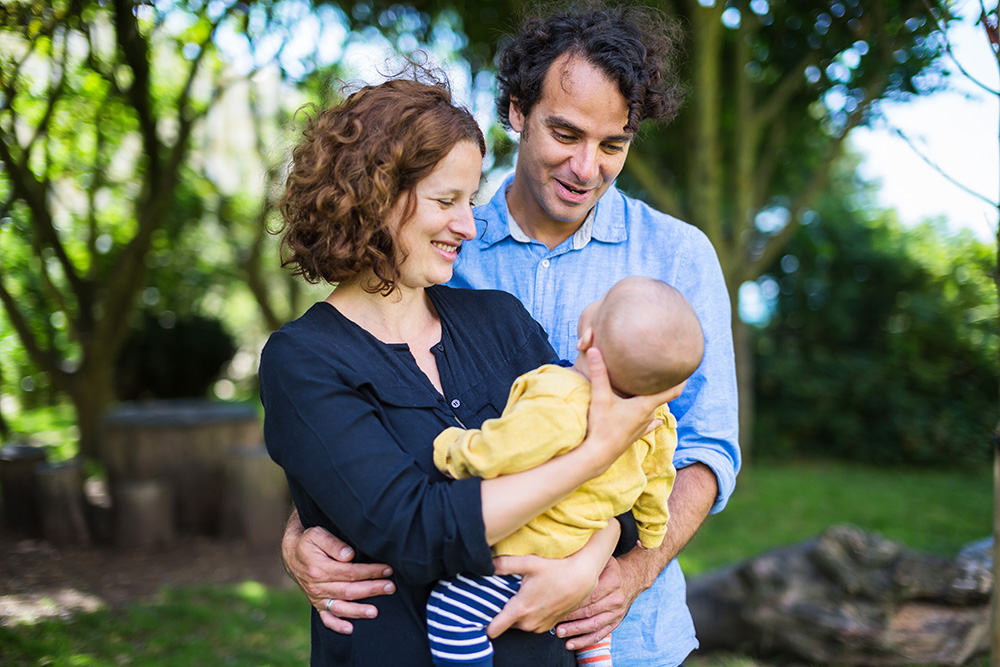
245 624
883 343
168 358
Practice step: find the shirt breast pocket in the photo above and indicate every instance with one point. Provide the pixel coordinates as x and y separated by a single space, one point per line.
484 403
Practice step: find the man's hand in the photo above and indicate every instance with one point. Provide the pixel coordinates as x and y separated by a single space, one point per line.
321 565
603 610
692 496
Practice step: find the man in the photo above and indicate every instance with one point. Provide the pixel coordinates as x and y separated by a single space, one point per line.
557 235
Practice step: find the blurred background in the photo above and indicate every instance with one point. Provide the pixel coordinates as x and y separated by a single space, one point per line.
842 156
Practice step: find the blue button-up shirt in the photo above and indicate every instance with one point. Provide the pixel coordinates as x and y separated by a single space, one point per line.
624 237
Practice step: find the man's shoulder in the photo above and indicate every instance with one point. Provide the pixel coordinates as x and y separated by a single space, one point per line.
638 213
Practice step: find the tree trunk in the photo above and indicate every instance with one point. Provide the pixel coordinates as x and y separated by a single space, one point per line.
91 389
705 177
743 347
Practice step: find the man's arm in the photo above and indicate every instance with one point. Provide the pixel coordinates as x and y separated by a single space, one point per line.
693 495
320 565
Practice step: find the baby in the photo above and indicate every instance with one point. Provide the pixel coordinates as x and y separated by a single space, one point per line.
651 341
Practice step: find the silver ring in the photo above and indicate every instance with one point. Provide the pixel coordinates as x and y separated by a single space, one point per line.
329 603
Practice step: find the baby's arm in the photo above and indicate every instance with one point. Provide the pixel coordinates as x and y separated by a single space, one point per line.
537 425
650 509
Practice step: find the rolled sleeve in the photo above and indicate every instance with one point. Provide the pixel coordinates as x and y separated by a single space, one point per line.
707 412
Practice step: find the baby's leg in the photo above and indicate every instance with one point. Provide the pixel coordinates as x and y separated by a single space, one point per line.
458 611
597 654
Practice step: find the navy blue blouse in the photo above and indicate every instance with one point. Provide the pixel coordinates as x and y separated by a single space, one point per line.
352 421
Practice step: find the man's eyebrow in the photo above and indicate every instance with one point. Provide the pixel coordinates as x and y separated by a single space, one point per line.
559 121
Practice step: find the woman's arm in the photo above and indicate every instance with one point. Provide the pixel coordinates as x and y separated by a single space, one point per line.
511 501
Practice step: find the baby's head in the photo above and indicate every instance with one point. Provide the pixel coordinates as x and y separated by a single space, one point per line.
648 333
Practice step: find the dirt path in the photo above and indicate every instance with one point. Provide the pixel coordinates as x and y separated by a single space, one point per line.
37 580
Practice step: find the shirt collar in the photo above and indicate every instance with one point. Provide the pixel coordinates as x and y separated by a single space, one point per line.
605 222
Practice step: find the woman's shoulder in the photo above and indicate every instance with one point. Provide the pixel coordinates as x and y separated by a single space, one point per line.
318 336
485 309
478 300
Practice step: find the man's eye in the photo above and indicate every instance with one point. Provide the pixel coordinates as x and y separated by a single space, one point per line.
562 137
613 148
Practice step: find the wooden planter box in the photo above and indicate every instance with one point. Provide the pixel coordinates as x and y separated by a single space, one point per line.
180 451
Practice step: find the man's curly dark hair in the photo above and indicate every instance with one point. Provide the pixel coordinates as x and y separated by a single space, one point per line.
637 47
355 161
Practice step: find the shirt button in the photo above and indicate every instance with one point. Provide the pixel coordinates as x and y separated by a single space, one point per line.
439 347
455 403
545 263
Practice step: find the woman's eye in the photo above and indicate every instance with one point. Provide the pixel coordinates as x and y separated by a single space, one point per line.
445 203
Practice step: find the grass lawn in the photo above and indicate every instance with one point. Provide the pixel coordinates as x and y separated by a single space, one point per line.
774 505
931 511
244 624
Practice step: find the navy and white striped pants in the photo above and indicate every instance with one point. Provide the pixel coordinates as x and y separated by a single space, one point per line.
458 611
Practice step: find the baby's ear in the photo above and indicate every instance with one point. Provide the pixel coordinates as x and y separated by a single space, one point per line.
586 340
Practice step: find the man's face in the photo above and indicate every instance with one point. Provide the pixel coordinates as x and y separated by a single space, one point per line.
573 145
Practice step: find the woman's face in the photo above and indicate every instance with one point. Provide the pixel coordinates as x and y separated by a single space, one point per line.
442 218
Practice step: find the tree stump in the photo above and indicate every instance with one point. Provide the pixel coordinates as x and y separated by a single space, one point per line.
257 501
61 503
182 444
848 598
144 514
18 487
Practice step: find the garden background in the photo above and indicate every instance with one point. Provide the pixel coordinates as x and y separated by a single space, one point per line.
142 149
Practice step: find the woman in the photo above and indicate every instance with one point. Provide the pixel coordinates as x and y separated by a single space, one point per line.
378 201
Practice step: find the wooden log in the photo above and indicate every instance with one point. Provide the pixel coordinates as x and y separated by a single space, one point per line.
18 488
61 502
144 514
847 598
257 501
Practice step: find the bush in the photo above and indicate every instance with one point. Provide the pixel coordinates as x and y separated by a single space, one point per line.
882 347
180 360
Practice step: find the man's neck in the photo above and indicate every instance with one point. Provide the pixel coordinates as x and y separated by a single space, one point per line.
535 222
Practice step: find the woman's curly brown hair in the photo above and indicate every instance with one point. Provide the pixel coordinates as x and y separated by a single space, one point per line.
354 163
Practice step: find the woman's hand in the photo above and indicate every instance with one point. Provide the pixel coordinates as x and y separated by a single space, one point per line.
320 564
551 588
614 422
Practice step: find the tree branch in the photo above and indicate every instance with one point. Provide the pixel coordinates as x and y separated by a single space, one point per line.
42 358
943 29
664 197
136 53
776 244
781 93
54 95
26 187
939 170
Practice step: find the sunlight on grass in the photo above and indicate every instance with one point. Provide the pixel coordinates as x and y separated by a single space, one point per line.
931 511
252 591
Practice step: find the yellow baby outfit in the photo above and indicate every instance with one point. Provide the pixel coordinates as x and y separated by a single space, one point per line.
545 416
